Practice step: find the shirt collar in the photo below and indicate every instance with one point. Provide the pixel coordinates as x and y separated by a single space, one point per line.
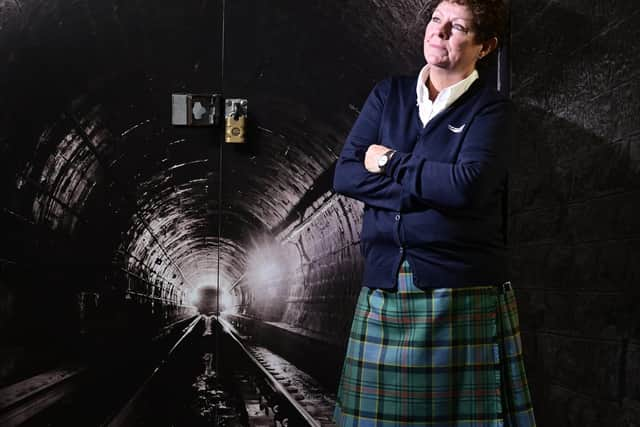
449 94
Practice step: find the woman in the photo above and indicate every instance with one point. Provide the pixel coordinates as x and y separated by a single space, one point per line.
435 336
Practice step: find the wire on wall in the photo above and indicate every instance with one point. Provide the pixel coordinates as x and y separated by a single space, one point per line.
220 187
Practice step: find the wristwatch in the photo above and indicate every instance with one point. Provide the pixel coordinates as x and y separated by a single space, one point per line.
384 159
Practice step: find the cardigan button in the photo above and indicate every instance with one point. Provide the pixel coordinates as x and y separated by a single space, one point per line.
397 217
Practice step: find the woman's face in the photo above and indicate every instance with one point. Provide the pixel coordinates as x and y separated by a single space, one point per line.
449 40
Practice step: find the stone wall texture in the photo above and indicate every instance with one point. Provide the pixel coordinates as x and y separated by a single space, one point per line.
575 228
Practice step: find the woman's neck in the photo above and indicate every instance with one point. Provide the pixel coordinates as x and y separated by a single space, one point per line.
440 79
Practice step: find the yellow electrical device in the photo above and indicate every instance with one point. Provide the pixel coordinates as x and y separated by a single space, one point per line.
235 121
234 132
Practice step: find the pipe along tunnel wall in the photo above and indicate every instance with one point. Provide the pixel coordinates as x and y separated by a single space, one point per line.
111 217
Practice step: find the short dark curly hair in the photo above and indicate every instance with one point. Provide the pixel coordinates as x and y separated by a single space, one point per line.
489 16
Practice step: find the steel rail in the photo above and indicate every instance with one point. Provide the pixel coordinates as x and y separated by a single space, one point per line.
230 330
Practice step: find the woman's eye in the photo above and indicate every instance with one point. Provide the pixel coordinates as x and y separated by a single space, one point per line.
435 19
459 27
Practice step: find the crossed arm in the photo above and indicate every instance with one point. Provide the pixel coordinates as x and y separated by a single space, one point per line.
411 181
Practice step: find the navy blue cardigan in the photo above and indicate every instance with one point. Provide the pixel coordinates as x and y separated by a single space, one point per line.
439 203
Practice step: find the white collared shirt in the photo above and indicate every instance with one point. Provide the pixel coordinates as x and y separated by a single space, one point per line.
446 97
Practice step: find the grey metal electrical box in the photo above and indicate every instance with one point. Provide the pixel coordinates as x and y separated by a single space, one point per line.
196 109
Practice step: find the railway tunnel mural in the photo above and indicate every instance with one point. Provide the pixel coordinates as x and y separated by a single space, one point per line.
115 222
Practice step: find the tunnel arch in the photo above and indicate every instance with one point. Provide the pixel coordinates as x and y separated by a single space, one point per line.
132 215
107 100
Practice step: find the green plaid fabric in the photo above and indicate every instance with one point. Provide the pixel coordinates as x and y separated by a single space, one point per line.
436 357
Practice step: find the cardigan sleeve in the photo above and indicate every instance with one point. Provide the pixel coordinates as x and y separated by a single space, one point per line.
351 178
480 167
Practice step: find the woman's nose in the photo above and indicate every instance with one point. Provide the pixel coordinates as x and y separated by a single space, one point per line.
443 30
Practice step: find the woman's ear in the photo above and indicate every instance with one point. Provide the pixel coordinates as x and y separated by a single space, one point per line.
488 47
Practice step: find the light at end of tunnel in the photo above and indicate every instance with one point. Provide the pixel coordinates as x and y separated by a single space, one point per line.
208 280
209 300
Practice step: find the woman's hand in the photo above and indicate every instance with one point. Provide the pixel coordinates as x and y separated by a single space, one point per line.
371 157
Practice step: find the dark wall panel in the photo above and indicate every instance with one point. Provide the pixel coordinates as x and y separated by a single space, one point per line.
575 203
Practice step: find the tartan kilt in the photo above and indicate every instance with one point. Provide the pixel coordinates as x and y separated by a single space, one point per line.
435 357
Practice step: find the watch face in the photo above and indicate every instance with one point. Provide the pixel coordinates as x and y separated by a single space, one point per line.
382 160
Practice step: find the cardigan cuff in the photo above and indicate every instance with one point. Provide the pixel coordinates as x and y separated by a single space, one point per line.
394 161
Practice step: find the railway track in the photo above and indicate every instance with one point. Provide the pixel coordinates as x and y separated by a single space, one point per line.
210 375
239 385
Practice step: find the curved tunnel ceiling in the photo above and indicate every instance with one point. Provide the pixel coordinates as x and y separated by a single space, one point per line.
86 130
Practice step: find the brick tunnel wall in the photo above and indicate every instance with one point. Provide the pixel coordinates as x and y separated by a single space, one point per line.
575 226
330 272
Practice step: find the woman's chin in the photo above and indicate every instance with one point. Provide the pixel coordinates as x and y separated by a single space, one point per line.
437 62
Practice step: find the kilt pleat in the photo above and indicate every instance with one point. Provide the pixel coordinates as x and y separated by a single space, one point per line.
435 357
